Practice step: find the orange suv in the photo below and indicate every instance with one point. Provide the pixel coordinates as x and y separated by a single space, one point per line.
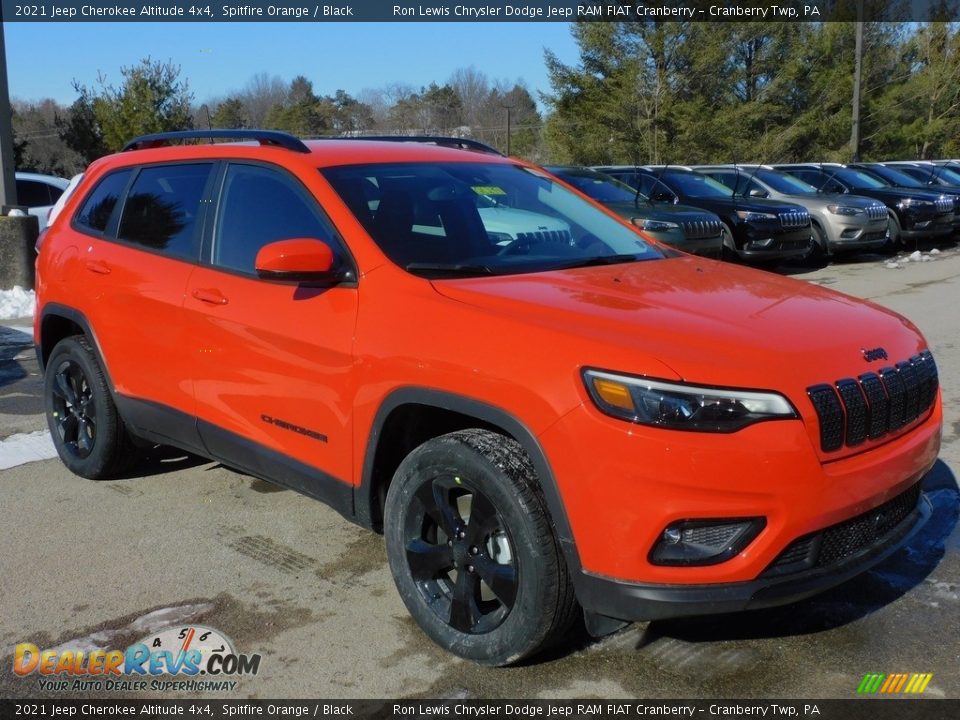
542 409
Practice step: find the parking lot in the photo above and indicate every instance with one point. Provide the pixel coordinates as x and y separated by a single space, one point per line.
184 540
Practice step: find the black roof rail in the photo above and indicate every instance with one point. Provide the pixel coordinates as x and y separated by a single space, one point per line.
462 143
264 137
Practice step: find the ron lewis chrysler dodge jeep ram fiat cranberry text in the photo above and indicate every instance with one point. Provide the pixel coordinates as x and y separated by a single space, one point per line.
543 410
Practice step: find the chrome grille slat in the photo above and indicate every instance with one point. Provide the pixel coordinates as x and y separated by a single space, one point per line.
557 237
877 212
944 205
698 229
795 219
852 411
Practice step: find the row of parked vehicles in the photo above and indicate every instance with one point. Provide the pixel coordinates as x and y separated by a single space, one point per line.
798 211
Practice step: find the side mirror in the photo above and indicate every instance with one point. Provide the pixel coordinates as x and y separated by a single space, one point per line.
758 193
663 196
297 259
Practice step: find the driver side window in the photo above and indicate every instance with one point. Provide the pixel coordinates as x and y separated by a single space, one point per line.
259 205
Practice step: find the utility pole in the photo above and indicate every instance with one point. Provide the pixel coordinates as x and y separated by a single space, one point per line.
508 109
857 71
8 185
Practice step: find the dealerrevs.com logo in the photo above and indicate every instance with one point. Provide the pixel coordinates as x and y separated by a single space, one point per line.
189 651
894 683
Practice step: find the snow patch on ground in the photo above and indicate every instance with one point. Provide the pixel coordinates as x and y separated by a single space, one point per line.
16 303
142 626
26 447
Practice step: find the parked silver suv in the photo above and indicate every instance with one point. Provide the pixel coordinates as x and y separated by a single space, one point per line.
840 223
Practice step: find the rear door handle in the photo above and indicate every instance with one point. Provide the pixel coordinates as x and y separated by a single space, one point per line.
212 296
98 266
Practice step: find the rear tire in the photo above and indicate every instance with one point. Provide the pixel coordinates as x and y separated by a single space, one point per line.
472 551
87 430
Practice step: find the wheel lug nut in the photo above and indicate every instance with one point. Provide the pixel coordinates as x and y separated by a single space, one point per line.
469 568
449 543
461 534
473 550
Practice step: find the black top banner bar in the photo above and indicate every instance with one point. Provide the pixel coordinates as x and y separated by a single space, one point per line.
479 11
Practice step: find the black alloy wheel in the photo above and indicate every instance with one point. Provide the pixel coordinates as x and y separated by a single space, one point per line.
86 428
472 550
74 409
460 555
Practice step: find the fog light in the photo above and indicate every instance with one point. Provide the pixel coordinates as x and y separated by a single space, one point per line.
705 542
759 244
672 535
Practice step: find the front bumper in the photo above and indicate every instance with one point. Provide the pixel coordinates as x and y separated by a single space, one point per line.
706 246
761 241
634 601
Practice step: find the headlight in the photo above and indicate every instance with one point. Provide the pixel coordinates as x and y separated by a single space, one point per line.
914 202
750 216
683 407
844 210
654 225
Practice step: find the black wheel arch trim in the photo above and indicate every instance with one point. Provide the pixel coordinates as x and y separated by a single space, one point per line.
365 494
80 320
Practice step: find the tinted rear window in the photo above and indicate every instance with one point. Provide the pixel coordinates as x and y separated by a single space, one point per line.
98 207
33 194
162 207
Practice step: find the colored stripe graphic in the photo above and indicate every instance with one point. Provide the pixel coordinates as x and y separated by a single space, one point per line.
912 683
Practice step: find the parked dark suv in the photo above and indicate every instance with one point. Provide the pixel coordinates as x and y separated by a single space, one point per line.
915 215
687 228
755 229
900 179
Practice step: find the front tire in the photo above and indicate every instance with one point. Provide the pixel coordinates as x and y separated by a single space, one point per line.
471 548
728 250
87 430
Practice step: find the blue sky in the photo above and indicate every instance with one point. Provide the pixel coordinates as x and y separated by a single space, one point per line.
44 58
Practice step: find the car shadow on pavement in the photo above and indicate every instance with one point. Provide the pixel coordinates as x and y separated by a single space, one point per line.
158 460
860 596
12 344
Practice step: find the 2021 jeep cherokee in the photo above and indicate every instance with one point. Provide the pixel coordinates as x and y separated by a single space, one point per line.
576 419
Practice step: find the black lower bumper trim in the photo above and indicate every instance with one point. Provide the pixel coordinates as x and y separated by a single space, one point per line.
635 602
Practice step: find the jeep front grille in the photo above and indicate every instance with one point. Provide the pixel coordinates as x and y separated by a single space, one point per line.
795 219
836 543
699 229
944 204
877 212
851 411
555 237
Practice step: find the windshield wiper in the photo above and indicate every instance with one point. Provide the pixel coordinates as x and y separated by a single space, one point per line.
451 270
598 260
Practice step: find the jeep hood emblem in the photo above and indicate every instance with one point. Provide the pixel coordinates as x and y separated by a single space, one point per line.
874 354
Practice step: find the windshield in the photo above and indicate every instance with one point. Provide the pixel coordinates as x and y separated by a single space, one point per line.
856 178
948 175
696 185
897 177
783 183
449 219
598 186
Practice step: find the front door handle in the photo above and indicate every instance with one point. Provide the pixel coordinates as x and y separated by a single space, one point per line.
210 295
98 266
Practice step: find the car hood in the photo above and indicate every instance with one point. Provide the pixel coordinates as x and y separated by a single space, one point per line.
752 204
709 322
893 194
670 213
824 199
